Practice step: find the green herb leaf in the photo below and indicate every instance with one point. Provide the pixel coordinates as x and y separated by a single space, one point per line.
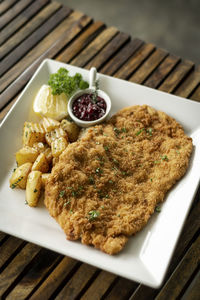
93 214
61 194
61 82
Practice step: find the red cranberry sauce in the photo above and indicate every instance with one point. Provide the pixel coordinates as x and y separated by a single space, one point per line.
89 108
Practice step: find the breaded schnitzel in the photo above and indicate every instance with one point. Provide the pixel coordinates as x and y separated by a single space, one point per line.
106 185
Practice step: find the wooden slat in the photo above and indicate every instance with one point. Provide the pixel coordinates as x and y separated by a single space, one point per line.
55 279
13 12
162 71
93 48
191 82
122 289
179 278
135 61
20 20
99 286
18 264
6 5
33 39
2 237
149 66
9 248
196 94
77 283
81 42
176 76
40 267
113 65
62 35
111 48
27 31
192 292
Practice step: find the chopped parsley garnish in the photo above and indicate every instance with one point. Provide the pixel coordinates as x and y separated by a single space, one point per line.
106 148
61 194
98 171
149 131
13 186
61 82
66 203
158 209
35 190
139 131
93 214
164 157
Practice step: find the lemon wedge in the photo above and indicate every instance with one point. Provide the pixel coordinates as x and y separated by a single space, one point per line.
48 105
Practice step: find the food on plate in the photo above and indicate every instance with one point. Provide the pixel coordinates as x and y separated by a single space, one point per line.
48 105
107 184
62 82
51 100
71 128
20 175
33 187
89 107
42 145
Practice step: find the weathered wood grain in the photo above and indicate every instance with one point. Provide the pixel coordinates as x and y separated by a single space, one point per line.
33 39
148 66
61 36
42 264
184 270
108 51
189 84
24 35
99 286
54 279
18 264
21 19
122 289
81 42
2 237
77 283
135 61
162 71
196 94
114 63
5 5
176 76
93 48
192 292
13 12
9 248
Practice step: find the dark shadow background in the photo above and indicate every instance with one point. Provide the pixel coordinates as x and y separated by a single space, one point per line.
170 24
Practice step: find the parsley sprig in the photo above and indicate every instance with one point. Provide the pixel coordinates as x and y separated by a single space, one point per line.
61 82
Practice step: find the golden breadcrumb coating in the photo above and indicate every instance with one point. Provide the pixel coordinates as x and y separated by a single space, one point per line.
106 185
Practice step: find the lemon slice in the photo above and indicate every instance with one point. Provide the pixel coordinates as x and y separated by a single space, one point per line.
48 105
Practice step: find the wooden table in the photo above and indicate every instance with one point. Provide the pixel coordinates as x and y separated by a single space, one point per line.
34 30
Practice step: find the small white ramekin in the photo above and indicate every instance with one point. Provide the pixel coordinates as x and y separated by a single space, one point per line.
90 90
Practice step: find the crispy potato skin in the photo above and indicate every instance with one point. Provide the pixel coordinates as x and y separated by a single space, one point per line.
106 185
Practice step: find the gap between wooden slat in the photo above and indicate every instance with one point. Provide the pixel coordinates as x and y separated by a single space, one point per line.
31 41
182 273
66 31
6 5
21 20
34 25
10 14
81 42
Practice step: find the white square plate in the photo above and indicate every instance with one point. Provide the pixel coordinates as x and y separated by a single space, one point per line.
147 254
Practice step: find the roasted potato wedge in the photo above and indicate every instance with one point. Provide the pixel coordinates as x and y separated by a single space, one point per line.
19 176
41 164
26 154
33 187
